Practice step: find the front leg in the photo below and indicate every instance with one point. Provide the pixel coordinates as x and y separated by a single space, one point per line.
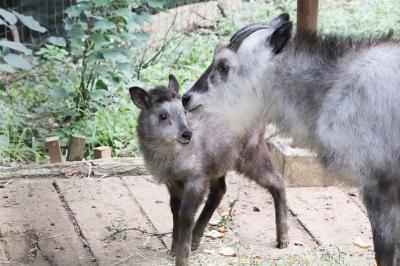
217 191
175 204
192 197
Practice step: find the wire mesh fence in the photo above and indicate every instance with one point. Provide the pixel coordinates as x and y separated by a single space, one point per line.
50 14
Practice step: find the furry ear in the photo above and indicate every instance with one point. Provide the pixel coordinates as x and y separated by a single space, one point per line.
279 20
173 84
140 97
280 37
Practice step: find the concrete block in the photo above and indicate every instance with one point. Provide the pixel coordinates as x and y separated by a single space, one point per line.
300 166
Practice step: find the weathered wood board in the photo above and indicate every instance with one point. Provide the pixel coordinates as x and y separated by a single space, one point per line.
35 228
333 219
253 233
100 206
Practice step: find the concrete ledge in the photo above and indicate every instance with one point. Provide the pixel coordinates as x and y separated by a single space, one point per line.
299 166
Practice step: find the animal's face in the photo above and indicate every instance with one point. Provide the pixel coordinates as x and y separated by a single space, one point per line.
235 71
163 115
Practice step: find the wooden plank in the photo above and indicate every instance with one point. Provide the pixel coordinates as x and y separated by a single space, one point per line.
54 150
3 256
97 168
307 15
35 228
102 205
333 219
252 232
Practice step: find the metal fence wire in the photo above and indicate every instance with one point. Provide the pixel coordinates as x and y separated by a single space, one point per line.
50 14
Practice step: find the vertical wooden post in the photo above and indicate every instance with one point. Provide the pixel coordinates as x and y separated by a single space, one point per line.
76 148
102 152
54 150
307 15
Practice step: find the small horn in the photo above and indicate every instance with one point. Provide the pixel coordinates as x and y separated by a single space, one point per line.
243 33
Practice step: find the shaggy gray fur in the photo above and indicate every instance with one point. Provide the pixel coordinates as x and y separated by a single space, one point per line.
189 170
340 95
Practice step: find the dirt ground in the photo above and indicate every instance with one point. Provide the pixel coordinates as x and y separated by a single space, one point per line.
126 221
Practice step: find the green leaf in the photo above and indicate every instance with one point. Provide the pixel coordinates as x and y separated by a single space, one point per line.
58 93
4 142
156 3
101 69
98 39
17 61
16 46
114 55
57 41
146 17
123 12
103 24
101 85
30 22
103 2
77 31
8 16
139 39
6 68
94 57
73 11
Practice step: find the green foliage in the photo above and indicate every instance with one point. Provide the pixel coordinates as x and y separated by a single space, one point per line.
101 36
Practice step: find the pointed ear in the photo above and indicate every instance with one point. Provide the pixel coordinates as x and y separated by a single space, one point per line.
279 20
280 37
173 84
140 97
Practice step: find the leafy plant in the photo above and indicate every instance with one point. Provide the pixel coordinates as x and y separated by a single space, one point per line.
101 35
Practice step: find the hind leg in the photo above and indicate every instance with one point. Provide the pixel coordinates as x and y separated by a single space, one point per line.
216 193
382 202
256 165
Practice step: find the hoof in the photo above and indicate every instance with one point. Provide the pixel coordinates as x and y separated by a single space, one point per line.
283 244
172 253
195 245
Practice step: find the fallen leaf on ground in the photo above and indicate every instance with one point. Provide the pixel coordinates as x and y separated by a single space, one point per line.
221 229
214 234
299 243
227 252
361 244
209 251
224 214
214 222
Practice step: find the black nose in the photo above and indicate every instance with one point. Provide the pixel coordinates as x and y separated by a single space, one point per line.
185 99
187 134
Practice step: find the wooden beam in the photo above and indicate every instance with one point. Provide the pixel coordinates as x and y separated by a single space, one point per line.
97 168
54 150
307 15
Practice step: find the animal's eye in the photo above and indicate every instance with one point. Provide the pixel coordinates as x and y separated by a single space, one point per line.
223 68
163 116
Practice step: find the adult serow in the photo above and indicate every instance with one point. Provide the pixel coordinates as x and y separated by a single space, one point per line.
340 95
192 154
